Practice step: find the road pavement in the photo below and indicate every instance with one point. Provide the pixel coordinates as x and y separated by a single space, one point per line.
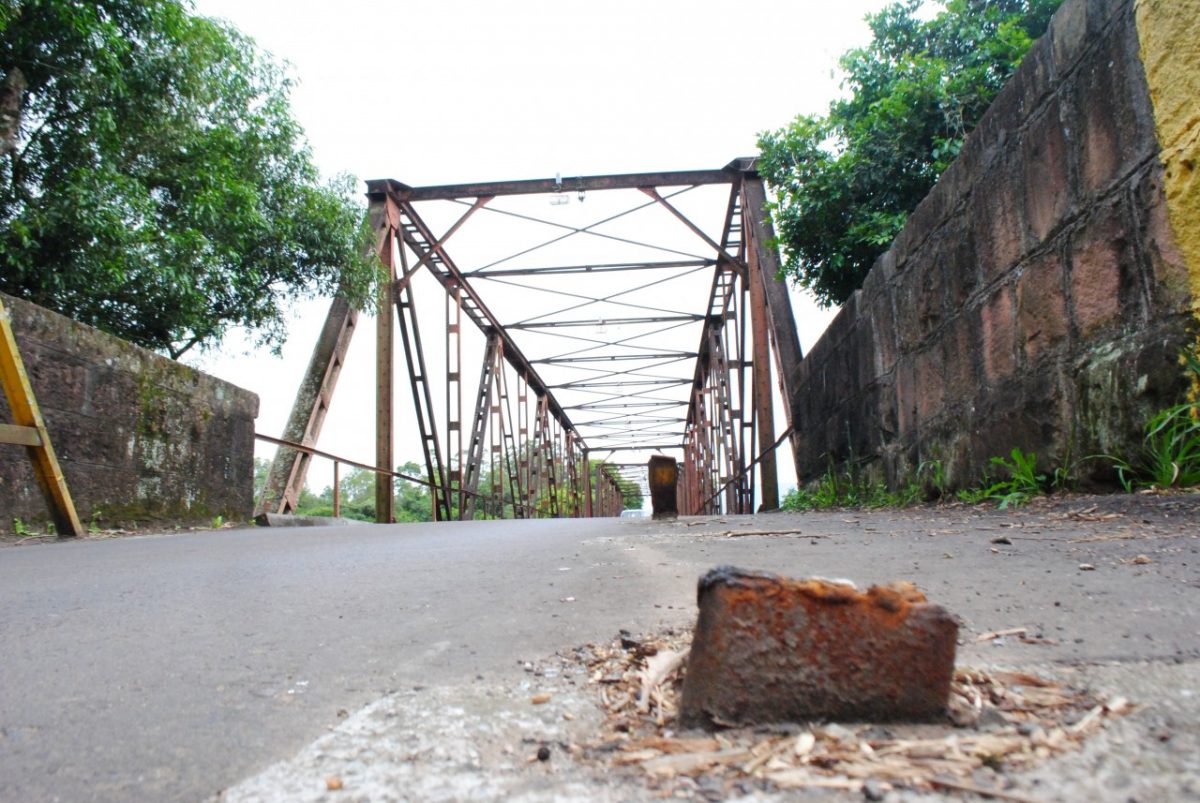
172 667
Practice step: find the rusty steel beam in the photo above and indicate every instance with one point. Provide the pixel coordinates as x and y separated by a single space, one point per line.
418 380
583 383
722 254
627 405
764 410
502 418
668 355
788 355
586 322
589 508
572 471
727 444
479 424
651 447
558 270
539 186
437 249
454 424
418 236
313 397
524 453
385 386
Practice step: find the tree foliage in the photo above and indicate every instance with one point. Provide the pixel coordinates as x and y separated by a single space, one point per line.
847 181
356 490
631 491
157 185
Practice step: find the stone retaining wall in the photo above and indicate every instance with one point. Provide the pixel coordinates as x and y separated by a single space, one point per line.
141 439
1037 298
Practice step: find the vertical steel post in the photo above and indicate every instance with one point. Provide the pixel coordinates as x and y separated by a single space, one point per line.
764 410
526 449
384 382
550 450
479 425
497 433
418 379
337 491
588 508
454 441
511 449
778 305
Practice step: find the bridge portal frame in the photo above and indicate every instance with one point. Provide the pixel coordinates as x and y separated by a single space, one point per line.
748 321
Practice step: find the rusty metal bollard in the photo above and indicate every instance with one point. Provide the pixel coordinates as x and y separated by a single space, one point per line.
773 649
663 473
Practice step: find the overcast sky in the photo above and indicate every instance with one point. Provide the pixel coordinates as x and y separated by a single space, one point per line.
451 91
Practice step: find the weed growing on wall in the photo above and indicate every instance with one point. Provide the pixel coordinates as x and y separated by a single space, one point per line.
928 483
1170 453
1023 483
848 489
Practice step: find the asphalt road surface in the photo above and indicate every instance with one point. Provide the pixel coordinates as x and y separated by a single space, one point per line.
171 667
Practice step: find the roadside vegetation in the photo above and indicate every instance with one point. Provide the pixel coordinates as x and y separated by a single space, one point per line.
154 182
412 500
1168 459
847 180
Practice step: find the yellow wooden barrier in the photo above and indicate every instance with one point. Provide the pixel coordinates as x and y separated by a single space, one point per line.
29 430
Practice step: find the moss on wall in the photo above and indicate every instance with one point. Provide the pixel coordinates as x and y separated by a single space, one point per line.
142 440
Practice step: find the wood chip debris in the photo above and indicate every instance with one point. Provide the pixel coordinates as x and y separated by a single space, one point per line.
1000 722
995 634
1087 514
741 533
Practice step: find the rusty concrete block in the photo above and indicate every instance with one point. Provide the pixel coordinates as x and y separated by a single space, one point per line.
663 473
773 649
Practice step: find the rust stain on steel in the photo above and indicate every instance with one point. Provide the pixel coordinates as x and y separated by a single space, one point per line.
773 649
663 473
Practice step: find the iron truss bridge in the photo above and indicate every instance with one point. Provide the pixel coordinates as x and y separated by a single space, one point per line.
568 329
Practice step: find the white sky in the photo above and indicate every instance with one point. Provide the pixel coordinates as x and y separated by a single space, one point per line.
471 90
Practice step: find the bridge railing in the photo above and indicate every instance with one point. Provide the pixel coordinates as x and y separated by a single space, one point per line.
337 461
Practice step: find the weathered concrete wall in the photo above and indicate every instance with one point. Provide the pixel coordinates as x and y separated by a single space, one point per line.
140 438
1038 297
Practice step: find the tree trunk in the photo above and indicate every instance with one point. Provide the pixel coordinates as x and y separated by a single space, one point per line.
12 95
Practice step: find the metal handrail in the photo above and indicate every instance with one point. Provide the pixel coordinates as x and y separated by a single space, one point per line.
337 501
749 468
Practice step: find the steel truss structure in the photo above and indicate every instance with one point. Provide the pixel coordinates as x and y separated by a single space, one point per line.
665 346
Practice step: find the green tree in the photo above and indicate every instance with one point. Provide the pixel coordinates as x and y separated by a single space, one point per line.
412 500
357 492
846 182
153 181
631 492
262 470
